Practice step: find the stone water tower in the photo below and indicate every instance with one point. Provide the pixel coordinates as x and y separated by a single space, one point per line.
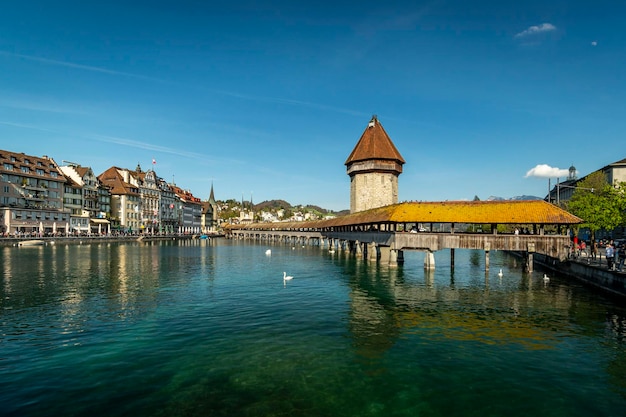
373 166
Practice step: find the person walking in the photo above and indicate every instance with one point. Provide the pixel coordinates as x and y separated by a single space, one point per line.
610 253
594 249
621 252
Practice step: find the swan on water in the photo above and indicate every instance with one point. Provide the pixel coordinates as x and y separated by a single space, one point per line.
546 278
500 273
286 278
268 252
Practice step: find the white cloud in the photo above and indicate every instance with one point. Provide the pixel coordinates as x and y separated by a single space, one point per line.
594 43
546 171
535 30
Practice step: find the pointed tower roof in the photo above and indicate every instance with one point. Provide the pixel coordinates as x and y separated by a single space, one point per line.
374 144
212 195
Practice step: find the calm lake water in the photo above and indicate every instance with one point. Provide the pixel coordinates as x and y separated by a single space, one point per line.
209 328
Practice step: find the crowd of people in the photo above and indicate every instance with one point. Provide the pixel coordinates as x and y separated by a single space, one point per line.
614 252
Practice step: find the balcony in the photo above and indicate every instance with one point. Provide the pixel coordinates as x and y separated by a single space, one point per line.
31 197
34 188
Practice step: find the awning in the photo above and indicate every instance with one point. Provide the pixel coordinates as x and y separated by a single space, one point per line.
99 221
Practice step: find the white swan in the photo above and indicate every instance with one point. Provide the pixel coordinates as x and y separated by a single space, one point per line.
500 273
268 252
546 278
286 278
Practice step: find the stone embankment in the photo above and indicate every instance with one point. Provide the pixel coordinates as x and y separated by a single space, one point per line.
9 241
592 272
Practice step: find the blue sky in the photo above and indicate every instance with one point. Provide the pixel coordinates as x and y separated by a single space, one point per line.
268 99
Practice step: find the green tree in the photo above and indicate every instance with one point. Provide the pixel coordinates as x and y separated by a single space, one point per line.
599 204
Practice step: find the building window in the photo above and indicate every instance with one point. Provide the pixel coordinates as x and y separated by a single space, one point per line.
8 167
25 170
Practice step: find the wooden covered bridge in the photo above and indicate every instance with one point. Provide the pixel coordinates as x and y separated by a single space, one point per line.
382 234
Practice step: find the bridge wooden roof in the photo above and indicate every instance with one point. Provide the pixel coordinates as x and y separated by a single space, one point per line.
472 212
498 212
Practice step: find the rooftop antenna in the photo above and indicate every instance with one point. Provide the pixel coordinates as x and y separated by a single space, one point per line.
70 163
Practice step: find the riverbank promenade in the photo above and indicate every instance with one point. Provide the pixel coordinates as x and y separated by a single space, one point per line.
52 240
592 271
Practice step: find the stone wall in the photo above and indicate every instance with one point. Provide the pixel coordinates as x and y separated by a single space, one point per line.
372 189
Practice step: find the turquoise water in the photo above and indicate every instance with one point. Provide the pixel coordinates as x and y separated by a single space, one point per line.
209 328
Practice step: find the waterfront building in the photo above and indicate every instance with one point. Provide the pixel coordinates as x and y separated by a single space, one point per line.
125 199
373 166
209 214
104 202
615 172
169 213
189 211
150 197
87 200
31 195
73 203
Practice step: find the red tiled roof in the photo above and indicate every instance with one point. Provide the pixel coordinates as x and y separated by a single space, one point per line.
82 171
185 195
19 161
112 179
374 144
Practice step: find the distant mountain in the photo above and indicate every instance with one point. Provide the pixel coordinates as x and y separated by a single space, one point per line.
517 198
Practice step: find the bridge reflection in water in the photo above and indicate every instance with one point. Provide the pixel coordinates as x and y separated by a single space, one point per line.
381 234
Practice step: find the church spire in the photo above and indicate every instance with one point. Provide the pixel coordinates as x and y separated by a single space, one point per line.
212 195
